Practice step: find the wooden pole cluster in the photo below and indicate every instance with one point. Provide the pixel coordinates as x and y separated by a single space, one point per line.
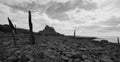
13 30
31 38
31 33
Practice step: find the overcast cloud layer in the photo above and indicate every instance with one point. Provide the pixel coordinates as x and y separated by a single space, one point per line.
87 17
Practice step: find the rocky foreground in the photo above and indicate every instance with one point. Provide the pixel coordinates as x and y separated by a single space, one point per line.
51 46
57 49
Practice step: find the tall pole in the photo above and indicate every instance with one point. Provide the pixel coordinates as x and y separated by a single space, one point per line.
12 28
74 34
32 38
118 40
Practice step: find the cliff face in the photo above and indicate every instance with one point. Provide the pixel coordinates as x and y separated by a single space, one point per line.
48 30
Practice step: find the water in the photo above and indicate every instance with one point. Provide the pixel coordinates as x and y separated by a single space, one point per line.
109 38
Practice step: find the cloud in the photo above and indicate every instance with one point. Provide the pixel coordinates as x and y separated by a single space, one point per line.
109 29
19 18
58 10
113 21
88 17
54 8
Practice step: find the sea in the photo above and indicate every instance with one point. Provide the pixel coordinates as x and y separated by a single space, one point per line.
109 38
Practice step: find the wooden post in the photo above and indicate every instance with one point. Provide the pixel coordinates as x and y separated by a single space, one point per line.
118 40
31 38
1 50
12 30
74 34
15 30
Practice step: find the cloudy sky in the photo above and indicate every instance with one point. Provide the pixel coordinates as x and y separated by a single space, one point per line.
87 17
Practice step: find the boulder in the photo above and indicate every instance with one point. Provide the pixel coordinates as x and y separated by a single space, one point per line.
64 57
106 58
12 58
77 60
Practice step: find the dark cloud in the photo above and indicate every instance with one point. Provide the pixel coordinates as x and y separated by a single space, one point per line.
25 6
55 10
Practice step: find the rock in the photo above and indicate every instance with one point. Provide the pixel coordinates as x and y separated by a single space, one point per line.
12 58
30 58
106 58
18 52
96 60
49 54
41 55
84 56
104 41
70 60
1 61
77 60
86 60
64 57
83 49
48 28
68 55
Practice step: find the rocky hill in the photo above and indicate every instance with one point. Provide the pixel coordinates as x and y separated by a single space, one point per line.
49 31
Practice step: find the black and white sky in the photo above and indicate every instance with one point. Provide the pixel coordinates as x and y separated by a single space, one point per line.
87 17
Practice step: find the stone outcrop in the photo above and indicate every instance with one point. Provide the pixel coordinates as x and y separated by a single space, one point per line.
49 31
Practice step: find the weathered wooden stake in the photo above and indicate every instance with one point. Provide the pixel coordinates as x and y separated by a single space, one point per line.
31 38
118 40
12 30
1 50
74 34
15 30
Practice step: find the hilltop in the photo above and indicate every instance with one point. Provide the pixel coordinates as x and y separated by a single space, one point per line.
48 30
